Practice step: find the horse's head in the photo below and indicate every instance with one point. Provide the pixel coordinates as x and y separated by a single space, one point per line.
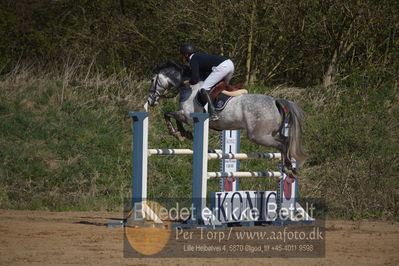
166 75
160 84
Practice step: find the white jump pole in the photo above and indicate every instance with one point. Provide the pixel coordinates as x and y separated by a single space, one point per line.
177 151
243 174
244 156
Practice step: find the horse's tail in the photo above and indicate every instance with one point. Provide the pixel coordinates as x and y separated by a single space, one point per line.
295 115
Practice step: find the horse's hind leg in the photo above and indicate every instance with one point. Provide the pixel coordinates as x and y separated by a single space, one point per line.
286 163
278 143
288 169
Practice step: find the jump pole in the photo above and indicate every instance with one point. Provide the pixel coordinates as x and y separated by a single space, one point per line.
200 165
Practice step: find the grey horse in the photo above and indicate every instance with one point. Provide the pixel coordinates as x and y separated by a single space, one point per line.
260 115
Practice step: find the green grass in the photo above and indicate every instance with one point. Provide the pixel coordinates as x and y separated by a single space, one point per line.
67 154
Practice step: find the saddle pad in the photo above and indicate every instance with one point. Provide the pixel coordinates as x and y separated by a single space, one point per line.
220 102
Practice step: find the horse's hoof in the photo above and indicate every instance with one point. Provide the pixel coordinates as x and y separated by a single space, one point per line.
295 171
292 176
179 136
291 173
286 170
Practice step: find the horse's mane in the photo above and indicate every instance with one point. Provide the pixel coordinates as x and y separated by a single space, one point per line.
183 69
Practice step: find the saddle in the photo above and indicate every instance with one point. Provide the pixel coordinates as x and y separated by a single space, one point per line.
221 94
229 90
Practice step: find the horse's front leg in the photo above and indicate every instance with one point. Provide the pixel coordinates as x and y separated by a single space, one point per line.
172 131
181 133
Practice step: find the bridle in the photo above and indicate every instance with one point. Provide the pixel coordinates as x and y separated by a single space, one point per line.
154 92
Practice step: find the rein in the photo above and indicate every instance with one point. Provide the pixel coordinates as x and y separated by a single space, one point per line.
156 93
169 97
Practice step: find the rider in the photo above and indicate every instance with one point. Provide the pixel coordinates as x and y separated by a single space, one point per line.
219 67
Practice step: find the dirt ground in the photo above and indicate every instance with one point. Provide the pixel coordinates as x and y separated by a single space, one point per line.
81 238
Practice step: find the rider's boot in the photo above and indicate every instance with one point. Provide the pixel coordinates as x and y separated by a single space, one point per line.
211 108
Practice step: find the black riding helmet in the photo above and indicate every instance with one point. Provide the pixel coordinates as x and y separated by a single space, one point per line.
187 49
